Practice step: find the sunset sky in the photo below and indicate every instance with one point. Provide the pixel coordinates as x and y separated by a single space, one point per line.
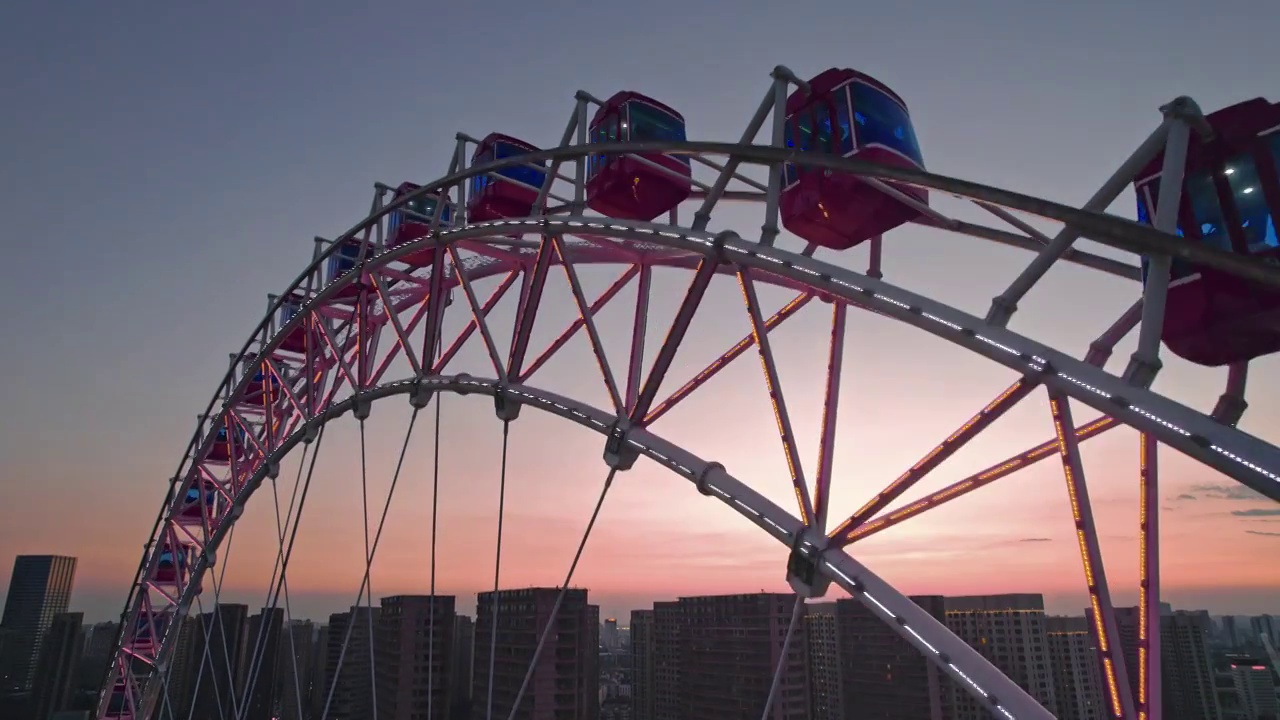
166 168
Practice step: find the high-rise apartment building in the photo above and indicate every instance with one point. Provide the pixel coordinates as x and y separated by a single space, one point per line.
415 653
610 639
1010 632
820 629
1077 676
1186 668
39 589
732 646
882 675
348 684
294 669
669 632
642 648
259 662
462 665
1255 688
220 646
565 680
56 668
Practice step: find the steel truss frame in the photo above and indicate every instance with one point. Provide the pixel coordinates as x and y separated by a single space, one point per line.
345 350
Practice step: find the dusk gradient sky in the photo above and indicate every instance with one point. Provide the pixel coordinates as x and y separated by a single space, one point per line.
166 167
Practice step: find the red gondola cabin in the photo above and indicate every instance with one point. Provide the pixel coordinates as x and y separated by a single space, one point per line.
343 260
626 187
512 193
192 512
296 340
220 451
413 222
849 114
1230 201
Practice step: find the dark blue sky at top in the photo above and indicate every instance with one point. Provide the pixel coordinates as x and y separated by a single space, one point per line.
166 165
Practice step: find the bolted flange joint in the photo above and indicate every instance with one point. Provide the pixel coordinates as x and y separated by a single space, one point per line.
505 406
1142 371
361 407
705 476
420 395
618 453
310 432
273 470
803 574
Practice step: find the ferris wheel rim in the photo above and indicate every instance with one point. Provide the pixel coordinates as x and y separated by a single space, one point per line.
1211 443
1103 227
864 292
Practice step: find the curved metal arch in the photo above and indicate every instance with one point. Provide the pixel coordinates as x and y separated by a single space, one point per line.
1230 450
953 656
1100 227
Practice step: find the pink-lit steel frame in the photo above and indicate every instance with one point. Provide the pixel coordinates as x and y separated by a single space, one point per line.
342 322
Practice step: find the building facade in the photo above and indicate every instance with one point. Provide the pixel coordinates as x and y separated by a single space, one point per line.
39 589
564 684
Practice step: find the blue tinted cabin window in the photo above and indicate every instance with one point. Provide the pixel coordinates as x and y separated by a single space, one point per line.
479 182
822 128
844 123
1202 197
798 134
649 123
533 177
288 311
880 120
1256 221
606 131
341 261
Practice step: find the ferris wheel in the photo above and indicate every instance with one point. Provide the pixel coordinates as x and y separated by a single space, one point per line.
625 191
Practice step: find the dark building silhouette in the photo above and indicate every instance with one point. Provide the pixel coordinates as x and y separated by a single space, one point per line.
1186 669
348 682
39 589
176 693
642 650
668 639
99 642
463 666
1009 631
259 660
294 669
565 682
219 645
55 675
320 680
884 677
1077 674
825 690
415 657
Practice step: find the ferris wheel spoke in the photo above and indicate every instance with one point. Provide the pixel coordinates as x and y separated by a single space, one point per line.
371 551
584 312
1106 632
675 335
774 387
1149 681
364 512
477 313
402 337
279 573
436 303
578 322
435 518
494 298
530 299
497 567
564 589
830 409
977 480
720 363
635 360
948 447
